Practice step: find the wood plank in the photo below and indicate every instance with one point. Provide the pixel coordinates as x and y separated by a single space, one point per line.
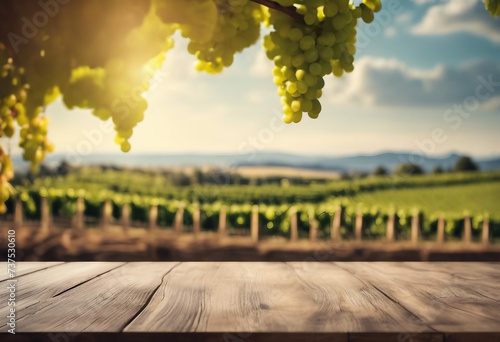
103 304
341 302
443 301
26 267
400 337
39 286
268 297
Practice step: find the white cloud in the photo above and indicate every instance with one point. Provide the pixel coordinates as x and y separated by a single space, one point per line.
389 82
459 16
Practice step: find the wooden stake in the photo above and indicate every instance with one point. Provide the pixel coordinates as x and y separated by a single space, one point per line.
415 227
358 228
126 218
486 231
254 228
467 230
106 214
313 227
78 219
440 230
18 214
337 219
179 219
44 215
294 229
390 227
196 221
153 218
222 222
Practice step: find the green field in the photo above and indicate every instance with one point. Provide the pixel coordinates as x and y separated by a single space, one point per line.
474 198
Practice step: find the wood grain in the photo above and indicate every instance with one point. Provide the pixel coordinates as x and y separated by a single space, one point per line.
39 286
227 300
103 304
26 267
443 301
284 297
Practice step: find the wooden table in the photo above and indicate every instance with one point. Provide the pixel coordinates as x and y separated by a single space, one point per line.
250 301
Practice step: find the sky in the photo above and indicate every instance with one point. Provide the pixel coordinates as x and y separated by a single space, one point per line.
426 80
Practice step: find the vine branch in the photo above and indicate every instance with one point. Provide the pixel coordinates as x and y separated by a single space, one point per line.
291 11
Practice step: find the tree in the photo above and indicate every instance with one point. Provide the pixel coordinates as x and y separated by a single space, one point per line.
103 55
408 169
465 164
380 171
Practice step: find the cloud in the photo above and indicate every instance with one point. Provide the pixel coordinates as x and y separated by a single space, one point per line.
459 16
389 82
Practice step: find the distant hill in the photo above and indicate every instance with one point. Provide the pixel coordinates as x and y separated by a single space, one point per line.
359 163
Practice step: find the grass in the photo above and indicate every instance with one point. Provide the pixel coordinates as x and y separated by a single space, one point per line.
474 198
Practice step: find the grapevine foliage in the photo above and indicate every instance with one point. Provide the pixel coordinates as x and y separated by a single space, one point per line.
102 55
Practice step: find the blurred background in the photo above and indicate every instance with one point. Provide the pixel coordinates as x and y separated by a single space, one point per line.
402 164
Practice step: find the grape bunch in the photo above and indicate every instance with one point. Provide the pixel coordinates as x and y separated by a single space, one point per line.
493 6
237 27
305 51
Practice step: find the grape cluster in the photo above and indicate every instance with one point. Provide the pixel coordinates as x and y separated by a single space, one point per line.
493 6
304 51
6 174
13 92
237 27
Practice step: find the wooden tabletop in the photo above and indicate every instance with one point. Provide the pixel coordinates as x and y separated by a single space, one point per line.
336 298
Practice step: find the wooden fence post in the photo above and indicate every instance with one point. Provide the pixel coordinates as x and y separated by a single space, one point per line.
153 218
44 215
391 221
254 228
106 214
179 219
467 229
18 214
79 215
313 227
337 219
358 228
125 219
222 222
486 231
294 229
415 227
196 221
440 230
